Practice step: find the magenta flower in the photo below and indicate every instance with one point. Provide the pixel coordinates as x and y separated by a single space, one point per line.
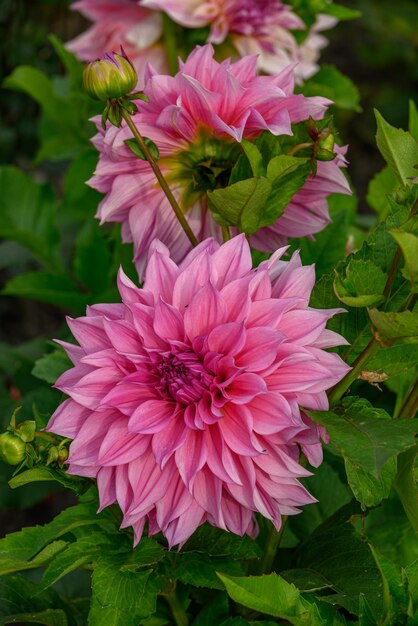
184 400
197 119
261 27
119 23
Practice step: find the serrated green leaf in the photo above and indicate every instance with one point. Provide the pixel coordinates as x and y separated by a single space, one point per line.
362 285
92 260
328 247
51 288
124 590
75 555
40 473
408 242
364 435
273 595
305 580
368 489
381 185
399 149
50 366
241 204
395 325
200 570
12 565
111 616
337 553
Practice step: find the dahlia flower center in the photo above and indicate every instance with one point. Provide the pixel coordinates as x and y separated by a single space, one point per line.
202 167
253 17
182 378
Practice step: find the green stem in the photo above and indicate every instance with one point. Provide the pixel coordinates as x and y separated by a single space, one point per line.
339 390
410 404
46 436
271 546
300 146
226 235
392 272
170 44
159 175
177 611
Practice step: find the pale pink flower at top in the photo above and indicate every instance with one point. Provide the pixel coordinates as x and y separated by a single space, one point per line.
197 119
184 399
261 27
119 23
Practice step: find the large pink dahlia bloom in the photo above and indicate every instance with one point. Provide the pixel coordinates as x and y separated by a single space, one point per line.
184 400
119 23
197 119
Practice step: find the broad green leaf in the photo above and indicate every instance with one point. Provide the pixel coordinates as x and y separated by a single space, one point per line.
73 66
215 542
395 325
18 597
380 186
200 570
37 84
28 215
408 243
283 164
124 590
50 617
399 149
305 580
273 595
40 473
92 261
328 247
330 83
254 157
364 435
394 589
214 612
241 204
405 485
368 489
396 360
12 565
110 616
337 553
51 288
50 366
362 285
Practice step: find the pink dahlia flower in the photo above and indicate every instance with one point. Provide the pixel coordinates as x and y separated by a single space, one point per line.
119 23
197 119
184 400
261 27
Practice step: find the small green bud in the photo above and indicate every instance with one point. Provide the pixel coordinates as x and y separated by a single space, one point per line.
110 77
62 455
326 140
52 455
26 430
12 448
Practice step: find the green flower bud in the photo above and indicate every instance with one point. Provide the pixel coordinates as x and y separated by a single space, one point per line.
112 76
326 140
12 449
62 455
26 430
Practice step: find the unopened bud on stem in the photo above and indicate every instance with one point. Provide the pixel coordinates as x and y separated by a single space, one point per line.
110 77
12 448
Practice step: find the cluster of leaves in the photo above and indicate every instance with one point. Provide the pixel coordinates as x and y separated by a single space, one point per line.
352 558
